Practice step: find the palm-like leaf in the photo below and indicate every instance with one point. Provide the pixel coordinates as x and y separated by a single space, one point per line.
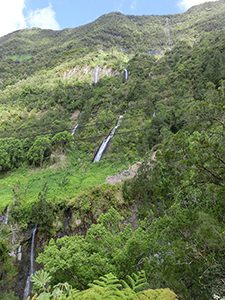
41 281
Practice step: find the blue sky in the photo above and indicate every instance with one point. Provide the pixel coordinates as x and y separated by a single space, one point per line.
59 14
71 13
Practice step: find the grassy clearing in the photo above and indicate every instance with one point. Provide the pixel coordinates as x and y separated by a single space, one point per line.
63 183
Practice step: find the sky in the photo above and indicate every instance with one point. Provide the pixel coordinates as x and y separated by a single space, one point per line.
59 14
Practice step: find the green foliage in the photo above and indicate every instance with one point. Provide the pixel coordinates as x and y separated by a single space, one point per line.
61 290
107 287
62 141
8 296
42 212
4 160
163 294
41 281
79 260
173 104
7 270
11 153
108 281
39 151
137 282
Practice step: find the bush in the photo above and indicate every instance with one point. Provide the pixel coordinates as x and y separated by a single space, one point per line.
39 151
62 141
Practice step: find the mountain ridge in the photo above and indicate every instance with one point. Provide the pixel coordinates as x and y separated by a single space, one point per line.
34 49
206 5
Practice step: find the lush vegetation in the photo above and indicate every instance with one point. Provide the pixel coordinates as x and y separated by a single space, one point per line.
163 229
106 287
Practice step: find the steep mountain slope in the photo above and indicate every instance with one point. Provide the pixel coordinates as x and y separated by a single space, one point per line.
163 79
51 56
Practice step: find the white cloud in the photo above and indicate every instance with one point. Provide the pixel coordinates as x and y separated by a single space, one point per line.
43 18
185 4
12 17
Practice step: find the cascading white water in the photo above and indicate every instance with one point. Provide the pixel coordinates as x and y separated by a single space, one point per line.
27 289
96 75
4 218
19 253
106 141
74 129
6 221
126 74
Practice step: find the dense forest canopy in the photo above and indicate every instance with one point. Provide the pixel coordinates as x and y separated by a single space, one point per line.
64 227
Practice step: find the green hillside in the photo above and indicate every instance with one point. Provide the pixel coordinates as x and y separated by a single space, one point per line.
159 231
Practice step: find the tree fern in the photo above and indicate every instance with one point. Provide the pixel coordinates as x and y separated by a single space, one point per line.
61 289
107 281
103 293
136 282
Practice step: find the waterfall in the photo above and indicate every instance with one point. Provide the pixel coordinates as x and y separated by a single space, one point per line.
106 141
4 218
27 289
75 129
126 75
96 74
19 253
6 221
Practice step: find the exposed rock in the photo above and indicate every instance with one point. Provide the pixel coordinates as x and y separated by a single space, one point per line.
124 175
79 71
153 156
75 115
131 172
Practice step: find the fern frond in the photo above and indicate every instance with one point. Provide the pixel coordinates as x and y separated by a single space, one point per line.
137 282
107 281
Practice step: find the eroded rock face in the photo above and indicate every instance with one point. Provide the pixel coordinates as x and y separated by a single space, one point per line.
124 175
131 172
75 115
79 71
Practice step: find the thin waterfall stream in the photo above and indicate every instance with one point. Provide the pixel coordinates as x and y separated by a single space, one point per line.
75 129
96 75
126 75
27 289
106 141
6 217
